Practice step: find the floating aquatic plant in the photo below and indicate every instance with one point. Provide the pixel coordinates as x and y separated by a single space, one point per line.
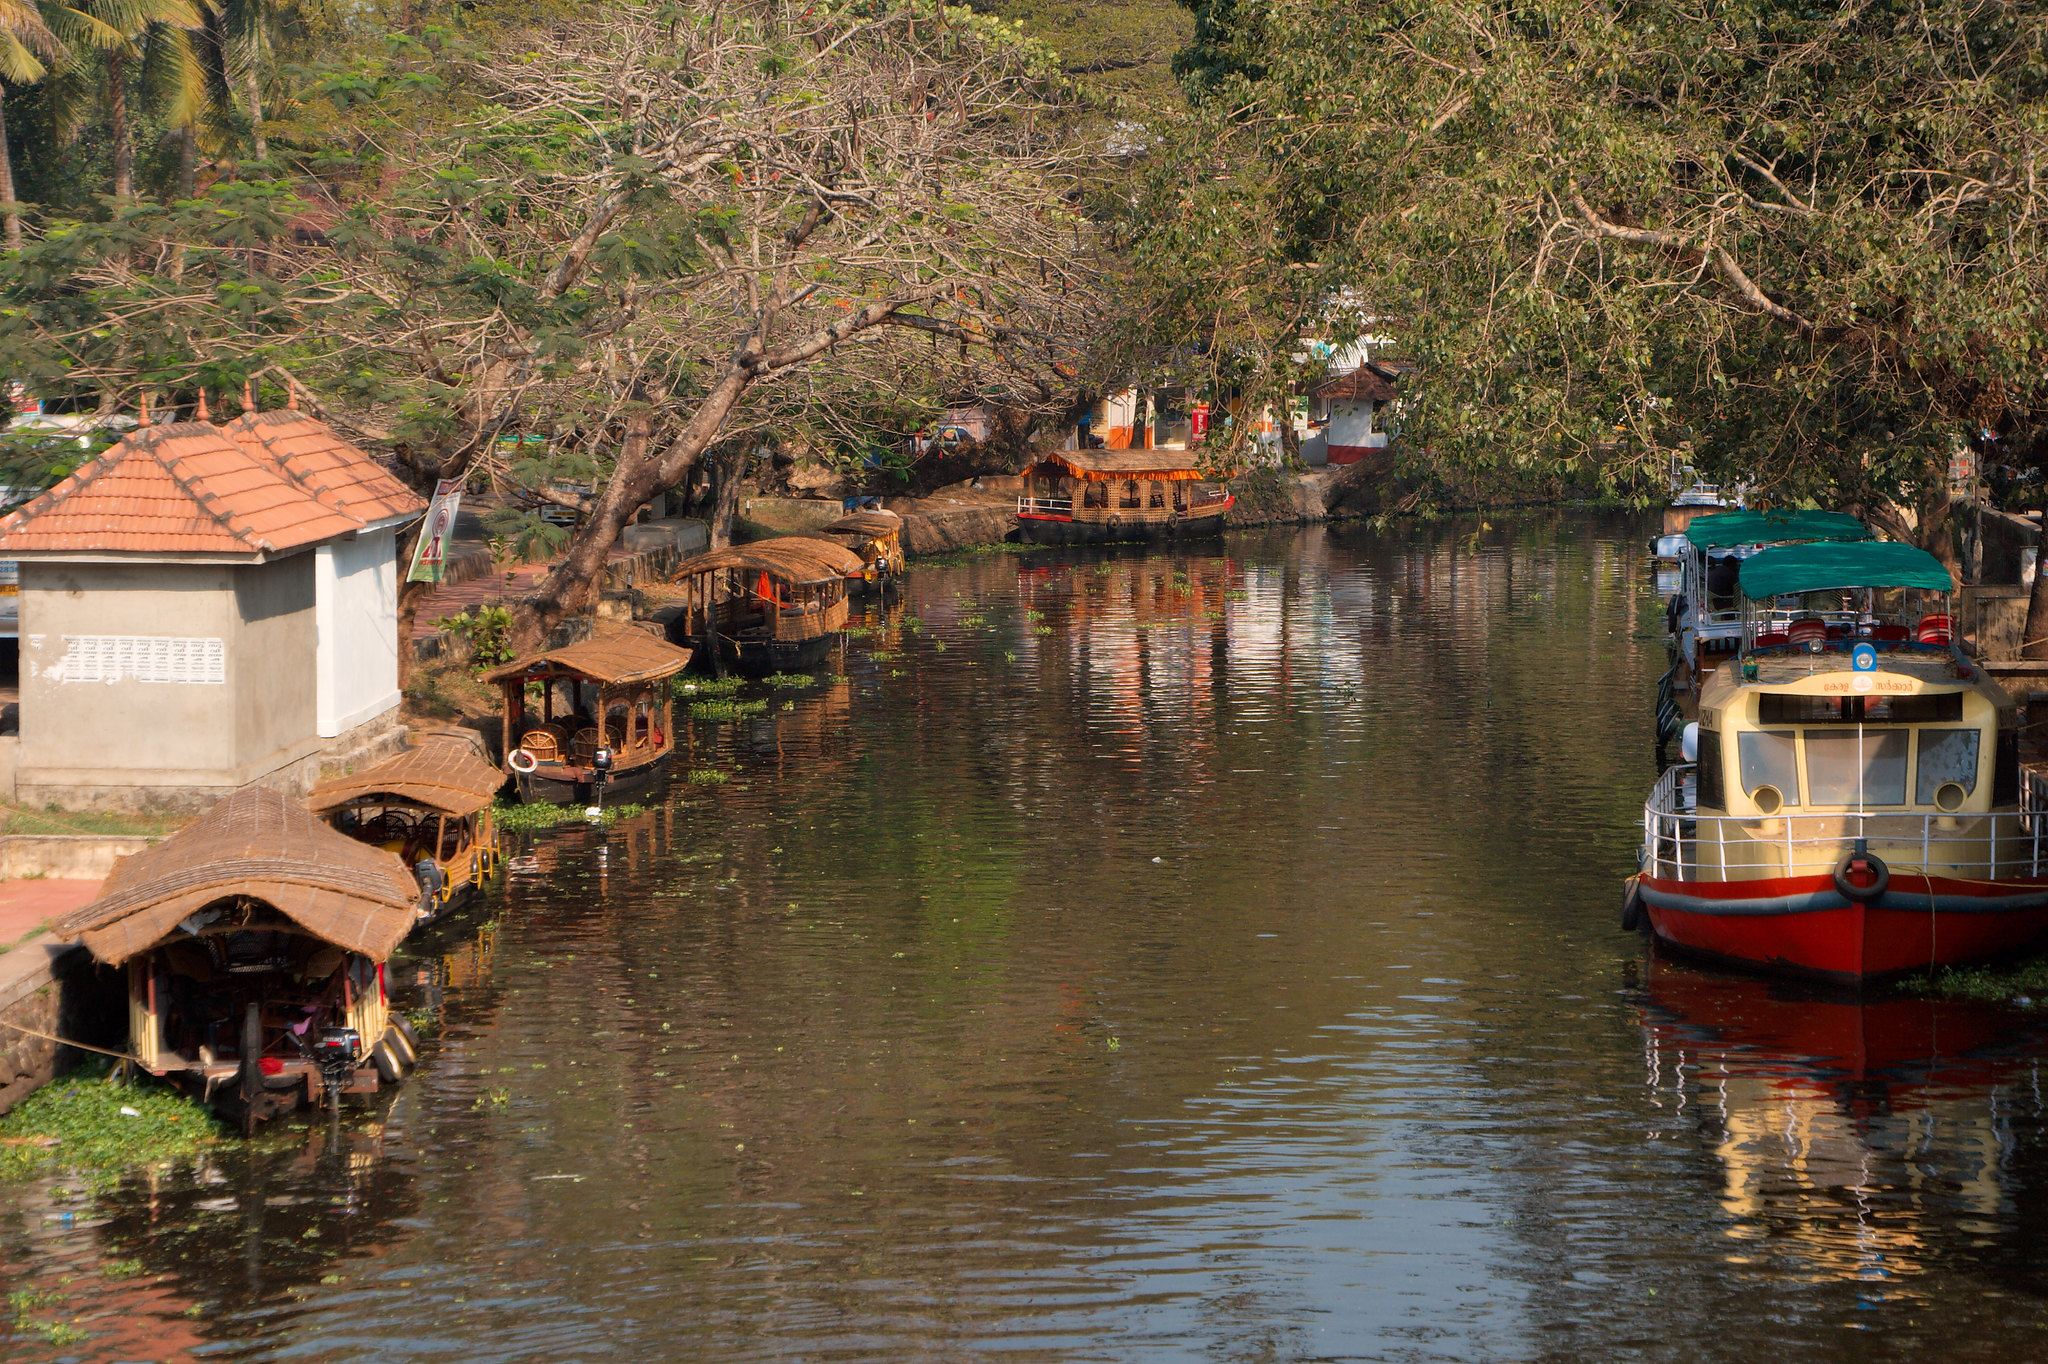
722 709
701 687
99 1126
526 818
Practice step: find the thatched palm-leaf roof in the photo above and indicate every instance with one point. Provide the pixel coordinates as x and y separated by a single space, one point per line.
260 845
796 559
444 776
1105 465
629 656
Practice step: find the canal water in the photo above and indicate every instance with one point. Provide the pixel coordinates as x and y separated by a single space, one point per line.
1205 954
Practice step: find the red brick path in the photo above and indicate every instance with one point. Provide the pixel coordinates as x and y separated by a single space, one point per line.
29 904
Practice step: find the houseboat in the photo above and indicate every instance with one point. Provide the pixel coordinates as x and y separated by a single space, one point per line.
1102 496
877 537
1853 805
431 805
254 941
555 702
1702 617
767 607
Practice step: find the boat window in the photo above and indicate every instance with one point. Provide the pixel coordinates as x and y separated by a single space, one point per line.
2005 772
1180 496
1845 765
1776 709
1095 493
1945 755
1768 759
1131 493
1158 498
1708 775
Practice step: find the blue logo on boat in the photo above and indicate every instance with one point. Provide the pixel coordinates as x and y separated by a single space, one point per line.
1863 658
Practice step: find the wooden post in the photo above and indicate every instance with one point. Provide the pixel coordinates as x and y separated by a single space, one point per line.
711 625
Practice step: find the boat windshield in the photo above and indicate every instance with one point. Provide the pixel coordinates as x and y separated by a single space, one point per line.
1856 767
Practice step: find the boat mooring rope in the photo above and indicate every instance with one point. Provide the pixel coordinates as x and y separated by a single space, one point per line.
67 1042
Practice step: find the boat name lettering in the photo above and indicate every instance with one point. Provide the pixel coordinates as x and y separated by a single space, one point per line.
1861 683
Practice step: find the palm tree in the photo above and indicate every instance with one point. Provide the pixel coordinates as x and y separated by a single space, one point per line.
153 37
33 36
247 31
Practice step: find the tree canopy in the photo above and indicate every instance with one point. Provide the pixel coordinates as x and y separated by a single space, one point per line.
1802 243
636 230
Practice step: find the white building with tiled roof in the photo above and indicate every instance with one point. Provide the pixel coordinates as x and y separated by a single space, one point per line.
203 607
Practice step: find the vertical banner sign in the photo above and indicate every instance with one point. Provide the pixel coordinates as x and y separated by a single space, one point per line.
430 556
1198 423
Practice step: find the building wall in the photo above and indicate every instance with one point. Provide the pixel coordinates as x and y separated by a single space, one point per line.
1351 434
75 724
163 678
355 591
273 663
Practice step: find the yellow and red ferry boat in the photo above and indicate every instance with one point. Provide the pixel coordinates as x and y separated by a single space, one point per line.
1853 805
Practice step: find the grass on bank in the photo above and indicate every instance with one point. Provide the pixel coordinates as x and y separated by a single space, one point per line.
28 819
2021 981
76 1124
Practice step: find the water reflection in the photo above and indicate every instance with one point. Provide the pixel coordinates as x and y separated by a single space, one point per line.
1855 1141
1208 953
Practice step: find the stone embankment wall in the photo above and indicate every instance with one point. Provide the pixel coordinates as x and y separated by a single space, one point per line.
56 991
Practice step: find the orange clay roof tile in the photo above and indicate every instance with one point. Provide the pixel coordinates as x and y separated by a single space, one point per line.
192 488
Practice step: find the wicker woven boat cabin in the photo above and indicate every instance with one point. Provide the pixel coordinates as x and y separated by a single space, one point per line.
571 711
774 605
428 804
254 943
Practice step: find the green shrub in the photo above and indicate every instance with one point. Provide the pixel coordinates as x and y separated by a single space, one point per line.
489 633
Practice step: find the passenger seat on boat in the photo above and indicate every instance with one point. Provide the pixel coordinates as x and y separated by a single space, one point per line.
1933 630
1807 630
1891 634
1771 638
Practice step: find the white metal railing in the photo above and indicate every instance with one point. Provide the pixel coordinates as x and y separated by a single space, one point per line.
1045 506
1680 844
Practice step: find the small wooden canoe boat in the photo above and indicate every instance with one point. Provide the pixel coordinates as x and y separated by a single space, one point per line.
254 942
1102 496
771 606
431 805
553 704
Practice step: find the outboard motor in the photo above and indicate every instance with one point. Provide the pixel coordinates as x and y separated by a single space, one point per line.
336 1052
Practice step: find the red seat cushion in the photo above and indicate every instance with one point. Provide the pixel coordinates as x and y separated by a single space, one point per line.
1771 637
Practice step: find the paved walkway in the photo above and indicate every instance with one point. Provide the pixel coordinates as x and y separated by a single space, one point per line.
26 905
492 589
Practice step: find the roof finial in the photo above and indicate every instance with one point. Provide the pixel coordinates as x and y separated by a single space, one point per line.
203 414
248 397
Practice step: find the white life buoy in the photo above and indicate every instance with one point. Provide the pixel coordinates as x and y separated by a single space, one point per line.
522 761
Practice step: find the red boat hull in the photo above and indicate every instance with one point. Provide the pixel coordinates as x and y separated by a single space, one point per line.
1801 925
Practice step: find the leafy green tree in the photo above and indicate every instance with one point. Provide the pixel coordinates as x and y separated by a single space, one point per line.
645 234
1799 243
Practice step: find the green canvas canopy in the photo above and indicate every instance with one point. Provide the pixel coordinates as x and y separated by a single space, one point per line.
1772 527
1787 569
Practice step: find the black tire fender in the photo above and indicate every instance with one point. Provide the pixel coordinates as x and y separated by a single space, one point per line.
386 1062
1632 917
407 1031
1849 890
